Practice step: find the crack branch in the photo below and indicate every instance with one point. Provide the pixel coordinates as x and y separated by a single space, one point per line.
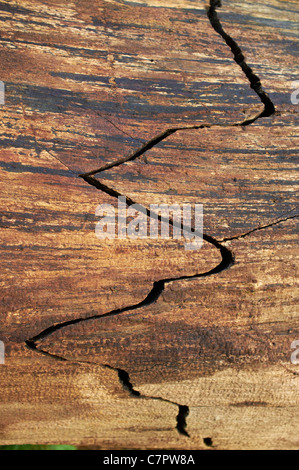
125 381
262 227
158 286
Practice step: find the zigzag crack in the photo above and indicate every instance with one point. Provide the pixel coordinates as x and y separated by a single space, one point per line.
152 297
239 58
183 411
124 379
255 84
227 256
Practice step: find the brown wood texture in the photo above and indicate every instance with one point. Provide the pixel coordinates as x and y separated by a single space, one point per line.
140 344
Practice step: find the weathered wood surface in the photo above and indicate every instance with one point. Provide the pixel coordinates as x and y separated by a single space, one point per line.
139 343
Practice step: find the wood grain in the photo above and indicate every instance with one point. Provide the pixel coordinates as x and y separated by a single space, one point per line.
129 344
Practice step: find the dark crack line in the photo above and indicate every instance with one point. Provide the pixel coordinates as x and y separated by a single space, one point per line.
257 229
147 146
159 138
158 286
239 58
151 298
255 84
183 410
125 381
